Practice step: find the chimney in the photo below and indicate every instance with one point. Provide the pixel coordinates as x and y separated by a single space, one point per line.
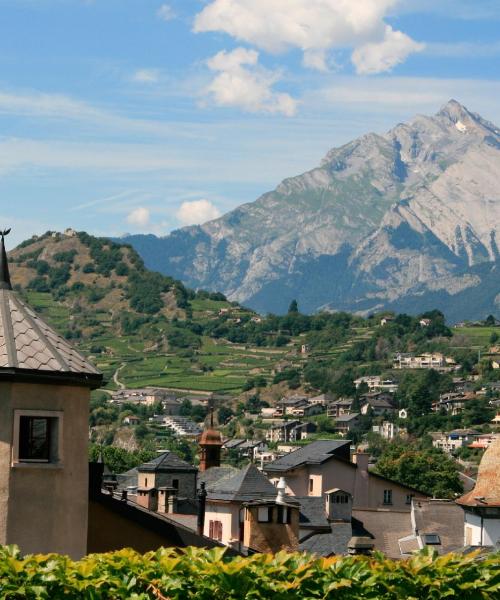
281 487
202 500
360 545
147 498
172 501
361 460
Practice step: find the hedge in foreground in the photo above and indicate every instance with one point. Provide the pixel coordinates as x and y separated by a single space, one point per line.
193 573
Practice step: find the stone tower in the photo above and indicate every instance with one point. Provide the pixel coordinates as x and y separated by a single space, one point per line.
210 443
44 403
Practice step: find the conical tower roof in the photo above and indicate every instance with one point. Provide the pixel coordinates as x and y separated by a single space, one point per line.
210 436
29 348
486 492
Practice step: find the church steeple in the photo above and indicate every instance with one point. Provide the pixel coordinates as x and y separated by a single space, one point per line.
5 283
210 443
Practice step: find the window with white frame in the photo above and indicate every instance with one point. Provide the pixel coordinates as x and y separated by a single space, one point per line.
265 514
37 437
387 496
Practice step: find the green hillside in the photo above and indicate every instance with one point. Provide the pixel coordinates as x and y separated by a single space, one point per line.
142 328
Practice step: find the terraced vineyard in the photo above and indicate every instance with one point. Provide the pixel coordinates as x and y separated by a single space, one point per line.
218 366
144 329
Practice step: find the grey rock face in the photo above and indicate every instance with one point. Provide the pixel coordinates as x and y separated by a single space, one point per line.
408 220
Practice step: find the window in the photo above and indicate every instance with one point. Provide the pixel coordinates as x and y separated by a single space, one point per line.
265 514
175 483
215 530
340 499
311 485
431 539
37 438
281 514
387 496
34 438
409 498
284 515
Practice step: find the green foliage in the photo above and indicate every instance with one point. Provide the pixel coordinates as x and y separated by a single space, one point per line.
294 307
199 574
39 284
428 470
118 460
65 257
145 291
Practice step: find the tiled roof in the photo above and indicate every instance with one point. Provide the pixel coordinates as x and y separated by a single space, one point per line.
443 517
214 474
486 492
166 463
247 484
385 526
329 543
312 512
28 343
315 453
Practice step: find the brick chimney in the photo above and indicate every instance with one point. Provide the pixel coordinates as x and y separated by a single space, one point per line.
362 481
147 498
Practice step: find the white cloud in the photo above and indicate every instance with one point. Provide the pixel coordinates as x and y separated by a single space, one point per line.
241 82
139 217
146 76
313 26
166 12
196 212
378 57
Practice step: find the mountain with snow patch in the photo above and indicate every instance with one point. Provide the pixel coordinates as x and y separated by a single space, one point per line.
407 220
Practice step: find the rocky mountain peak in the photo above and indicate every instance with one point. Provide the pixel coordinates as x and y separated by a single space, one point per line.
386 220
454 111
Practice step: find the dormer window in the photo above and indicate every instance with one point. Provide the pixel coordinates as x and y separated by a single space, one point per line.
37 438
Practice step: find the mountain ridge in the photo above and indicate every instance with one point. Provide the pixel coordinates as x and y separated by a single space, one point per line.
383 219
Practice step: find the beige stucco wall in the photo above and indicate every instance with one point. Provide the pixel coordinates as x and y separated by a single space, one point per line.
366 489
228 514
44 509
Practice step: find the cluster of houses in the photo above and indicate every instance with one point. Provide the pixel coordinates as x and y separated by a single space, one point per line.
427 360
452 441
320 498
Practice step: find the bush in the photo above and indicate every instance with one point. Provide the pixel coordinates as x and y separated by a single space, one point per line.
88 268
201 574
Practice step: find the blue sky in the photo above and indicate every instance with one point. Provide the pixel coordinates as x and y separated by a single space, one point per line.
144 115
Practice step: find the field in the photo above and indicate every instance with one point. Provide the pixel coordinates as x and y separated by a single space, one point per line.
218 366
477 338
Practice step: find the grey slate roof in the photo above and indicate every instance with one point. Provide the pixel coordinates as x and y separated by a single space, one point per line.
444 517
247 484
315 453
346 418
166 463
329 543
386 527
28 343
312 512
214 474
